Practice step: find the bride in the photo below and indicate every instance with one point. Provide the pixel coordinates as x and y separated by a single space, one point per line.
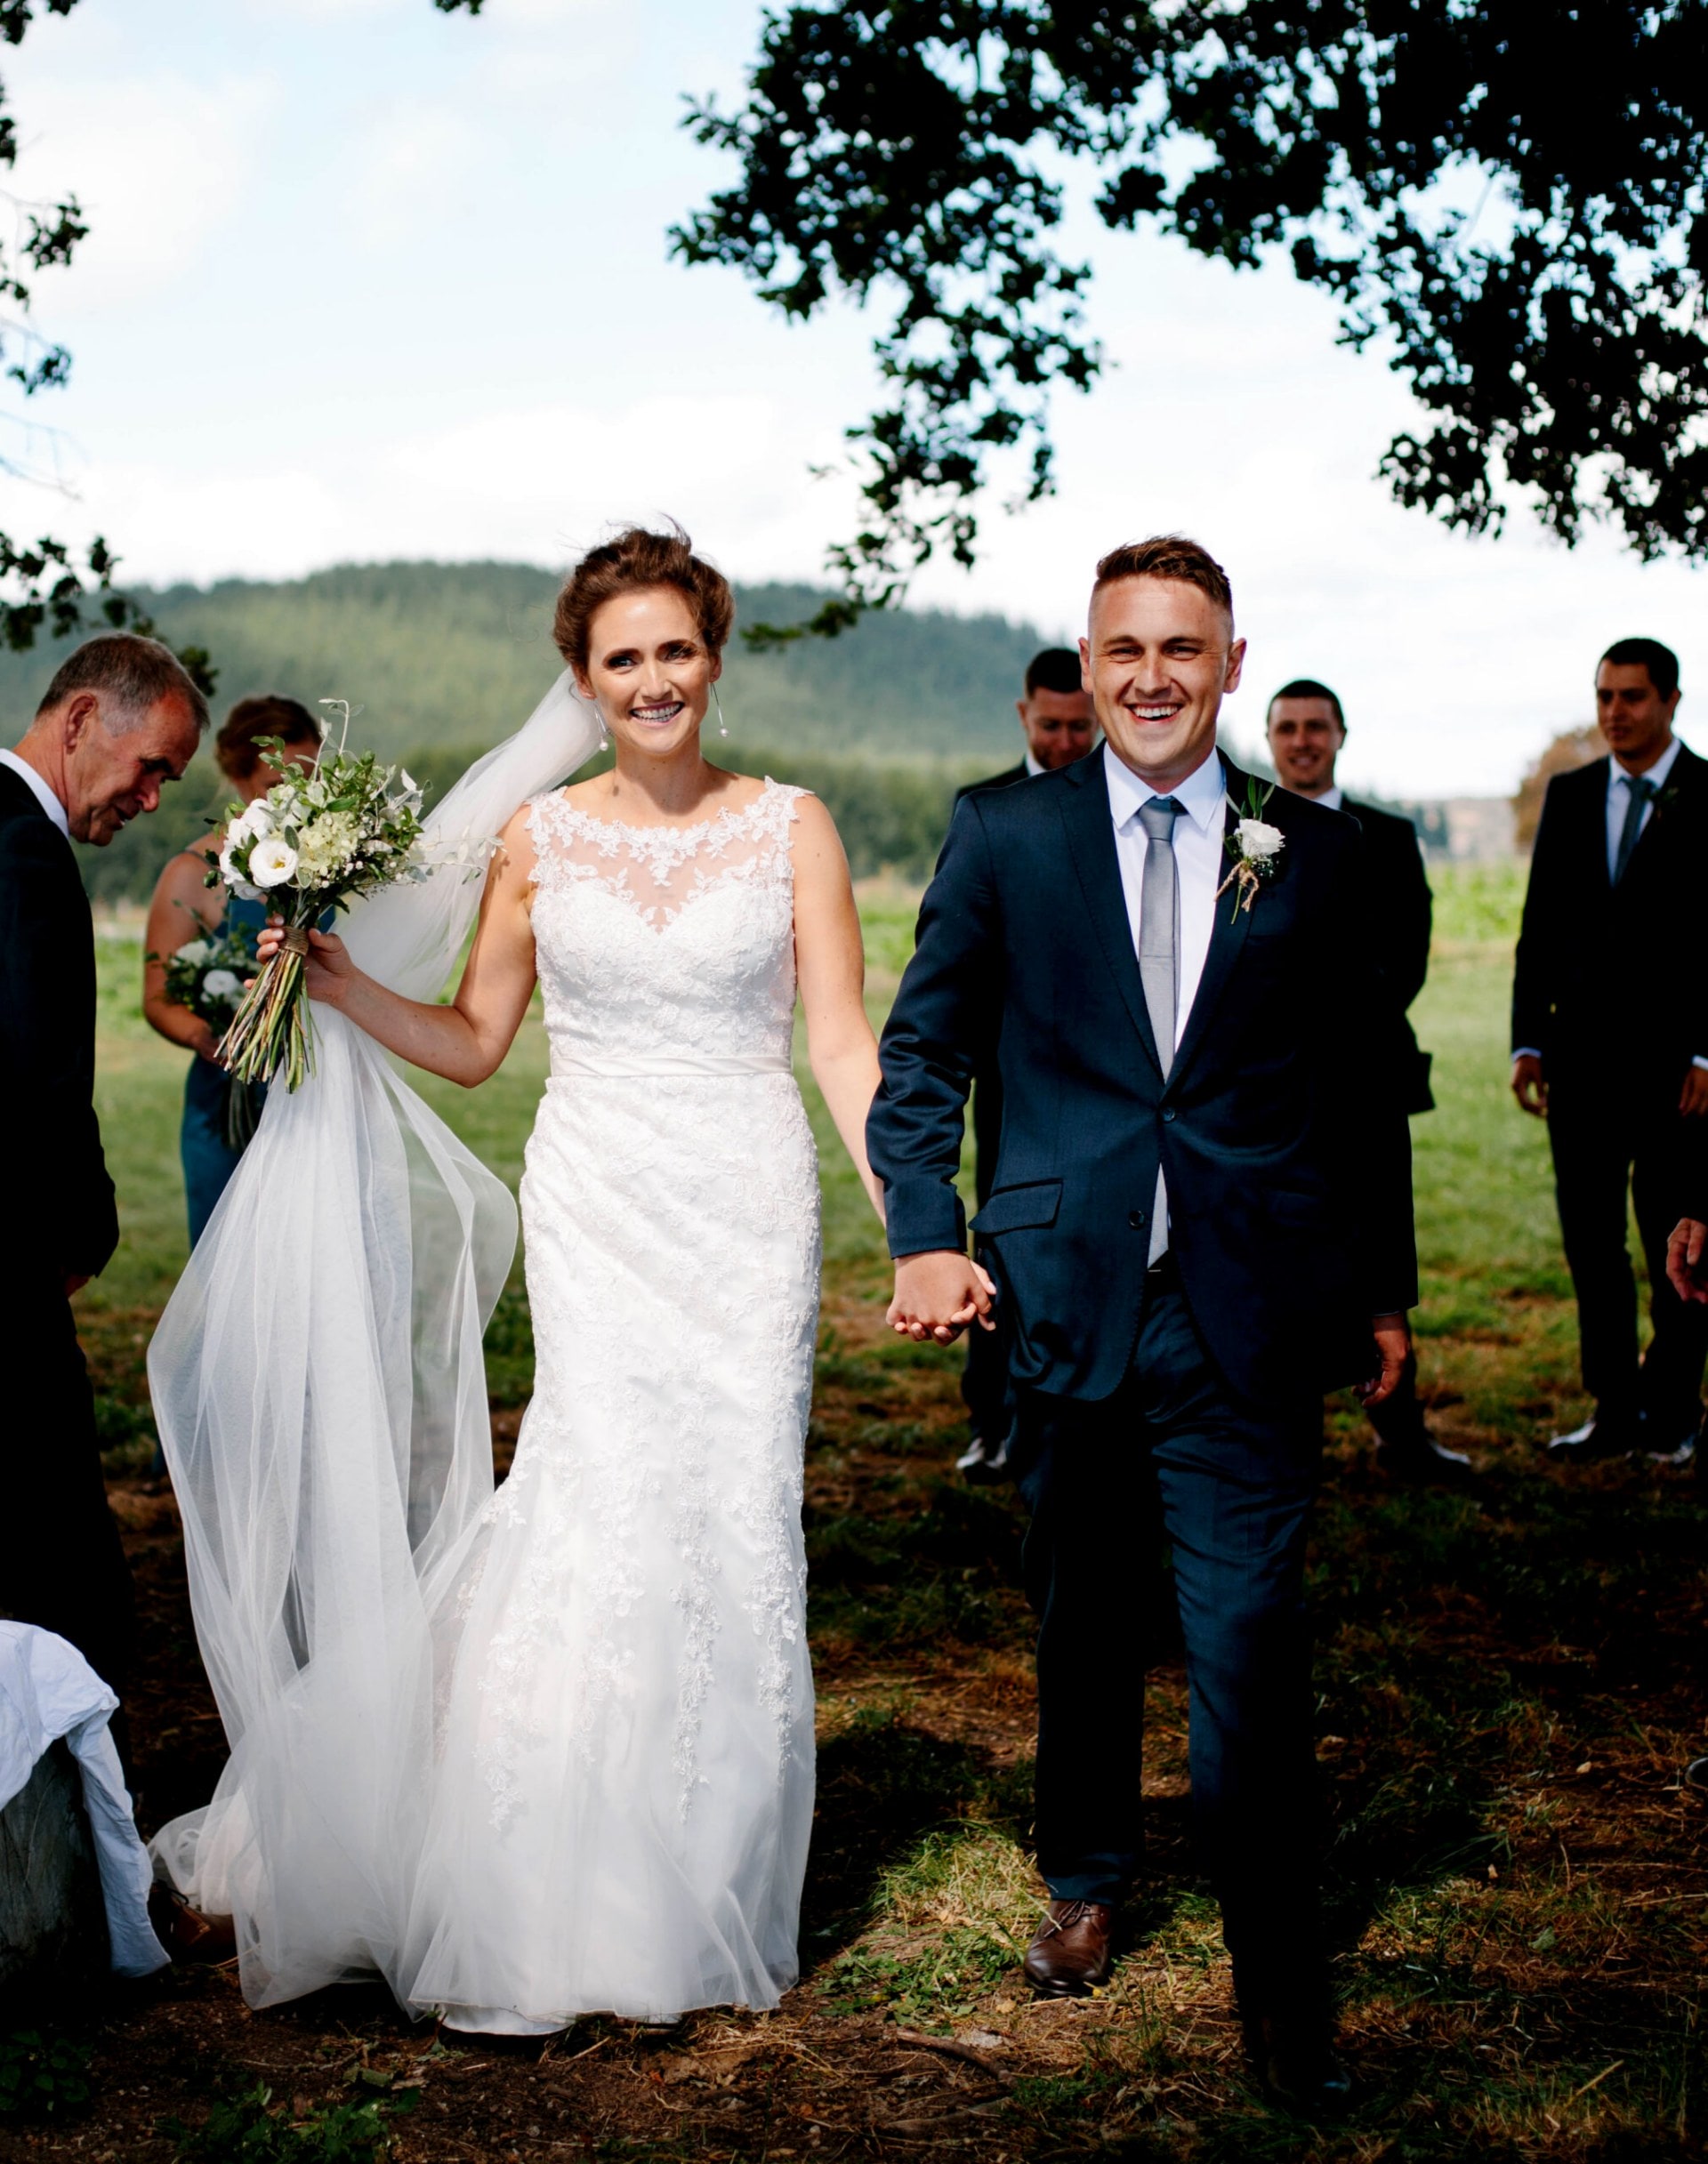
546 1750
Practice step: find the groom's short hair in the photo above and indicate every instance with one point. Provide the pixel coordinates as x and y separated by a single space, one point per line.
136 673
1167 556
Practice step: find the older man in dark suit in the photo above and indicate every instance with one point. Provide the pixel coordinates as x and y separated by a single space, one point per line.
1060 727
119 721
1306 729
1610 1045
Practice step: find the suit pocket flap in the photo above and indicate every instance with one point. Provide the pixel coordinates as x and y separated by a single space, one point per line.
1010 1208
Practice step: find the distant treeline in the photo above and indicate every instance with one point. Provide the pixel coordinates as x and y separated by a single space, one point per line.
892 814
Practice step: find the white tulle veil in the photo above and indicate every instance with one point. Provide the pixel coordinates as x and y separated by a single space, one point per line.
321 1397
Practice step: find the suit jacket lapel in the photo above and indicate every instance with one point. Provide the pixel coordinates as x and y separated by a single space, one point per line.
1680 787
1228 929
1091 838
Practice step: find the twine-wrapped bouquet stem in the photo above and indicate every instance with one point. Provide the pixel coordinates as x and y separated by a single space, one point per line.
268 1034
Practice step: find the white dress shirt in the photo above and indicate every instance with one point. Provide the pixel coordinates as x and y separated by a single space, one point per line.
1331 800
1619 798
1201 865
1034 764
43 794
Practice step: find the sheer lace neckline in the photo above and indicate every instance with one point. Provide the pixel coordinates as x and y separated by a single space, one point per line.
658 870
729 814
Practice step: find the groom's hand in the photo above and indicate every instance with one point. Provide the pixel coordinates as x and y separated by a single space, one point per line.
938 1294
1393 1337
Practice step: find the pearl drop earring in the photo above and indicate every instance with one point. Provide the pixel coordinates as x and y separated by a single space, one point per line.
604 734
718 702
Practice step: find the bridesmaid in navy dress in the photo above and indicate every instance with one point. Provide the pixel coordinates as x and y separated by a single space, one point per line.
184 908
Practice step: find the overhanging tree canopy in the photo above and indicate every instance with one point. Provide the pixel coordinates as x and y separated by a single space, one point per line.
1507 202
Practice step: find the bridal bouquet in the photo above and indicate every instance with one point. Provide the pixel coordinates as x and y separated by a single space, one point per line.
207 975
315 842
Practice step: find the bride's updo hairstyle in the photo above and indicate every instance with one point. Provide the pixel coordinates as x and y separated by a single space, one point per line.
635 559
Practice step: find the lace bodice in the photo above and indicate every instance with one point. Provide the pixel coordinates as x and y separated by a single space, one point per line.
664 948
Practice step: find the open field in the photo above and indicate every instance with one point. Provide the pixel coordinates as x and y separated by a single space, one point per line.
1509 1684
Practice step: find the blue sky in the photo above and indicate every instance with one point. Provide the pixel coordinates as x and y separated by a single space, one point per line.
366 280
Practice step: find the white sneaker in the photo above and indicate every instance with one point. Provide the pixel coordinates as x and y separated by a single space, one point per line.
1681 1455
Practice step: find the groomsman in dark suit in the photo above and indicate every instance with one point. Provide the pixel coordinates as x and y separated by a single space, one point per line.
1610 1045
1059 726
1196 1230
1306 728
119 721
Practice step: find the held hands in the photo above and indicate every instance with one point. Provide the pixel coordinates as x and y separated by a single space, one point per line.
1529 1086
1687 1260
1393 1338
938 1295
328 973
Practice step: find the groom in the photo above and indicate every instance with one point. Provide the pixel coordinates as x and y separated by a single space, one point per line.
1200 1221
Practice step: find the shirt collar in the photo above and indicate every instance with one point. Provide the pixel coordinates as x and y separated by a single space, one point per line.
40 791
1201 796
1333 799
1655 775
1034 764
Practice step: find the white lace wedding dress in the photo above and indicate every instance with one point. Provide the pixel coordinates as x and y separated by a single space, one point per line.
623 1793
544 1750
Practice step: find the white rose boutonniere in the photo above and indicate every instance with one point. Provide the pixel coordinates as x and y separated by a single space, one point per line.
1255 847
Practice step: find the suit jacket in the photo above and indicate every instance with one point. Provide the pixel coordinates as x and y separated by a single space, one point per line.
1290 1193
1006 779
1399 891
987 1089
1615 976
60 1212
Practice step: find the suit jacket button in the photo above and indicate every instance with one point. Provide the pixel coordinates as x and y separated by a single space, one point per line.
1136 1218
1168 1111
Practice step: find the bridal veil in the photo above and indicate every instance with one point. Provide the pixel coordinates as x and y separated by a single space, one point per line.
320 1392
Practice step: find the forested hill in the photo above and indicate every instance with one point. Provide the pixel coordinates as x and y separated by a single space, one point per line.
455 654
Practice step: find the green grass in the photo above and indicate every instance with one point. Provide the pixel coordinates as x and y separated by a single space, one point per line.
1507 1681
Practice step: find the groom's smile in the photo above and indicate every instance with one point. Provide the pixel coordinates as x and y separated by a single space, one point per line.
1157 658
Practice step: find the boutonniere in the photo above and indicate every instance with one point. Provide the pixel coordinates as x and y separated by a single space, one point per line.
1255 847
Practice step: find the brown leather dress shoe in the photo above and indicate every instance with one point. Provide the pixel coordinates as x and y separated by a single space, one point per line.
1070 1953
186 1934
1295 2062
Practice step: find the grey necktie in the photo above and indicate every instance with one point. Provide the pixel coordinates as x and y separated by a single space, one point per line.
1160 923
1159 963
1641 789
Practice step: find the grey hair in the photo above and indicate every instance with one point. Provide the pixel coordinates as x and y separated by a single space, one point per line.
135 674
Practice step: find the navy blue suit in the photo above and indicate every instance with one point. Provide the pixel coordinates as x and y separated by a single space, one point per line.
1186 1397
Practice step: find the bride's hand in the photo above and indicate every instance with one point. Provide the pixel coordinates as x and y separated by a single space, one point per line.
328 972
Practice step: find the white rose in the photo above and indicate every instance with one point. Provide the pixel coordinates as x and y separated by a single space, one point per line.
222 985
271 862
194 953
1257 841
257 821
234 879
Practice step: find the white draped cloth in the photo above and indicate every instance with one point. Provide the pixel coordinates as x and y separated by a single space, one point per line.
48 1692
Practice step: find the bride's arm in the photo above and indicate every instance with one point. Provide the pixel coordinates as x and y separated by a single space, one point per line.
466 1040
830 964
